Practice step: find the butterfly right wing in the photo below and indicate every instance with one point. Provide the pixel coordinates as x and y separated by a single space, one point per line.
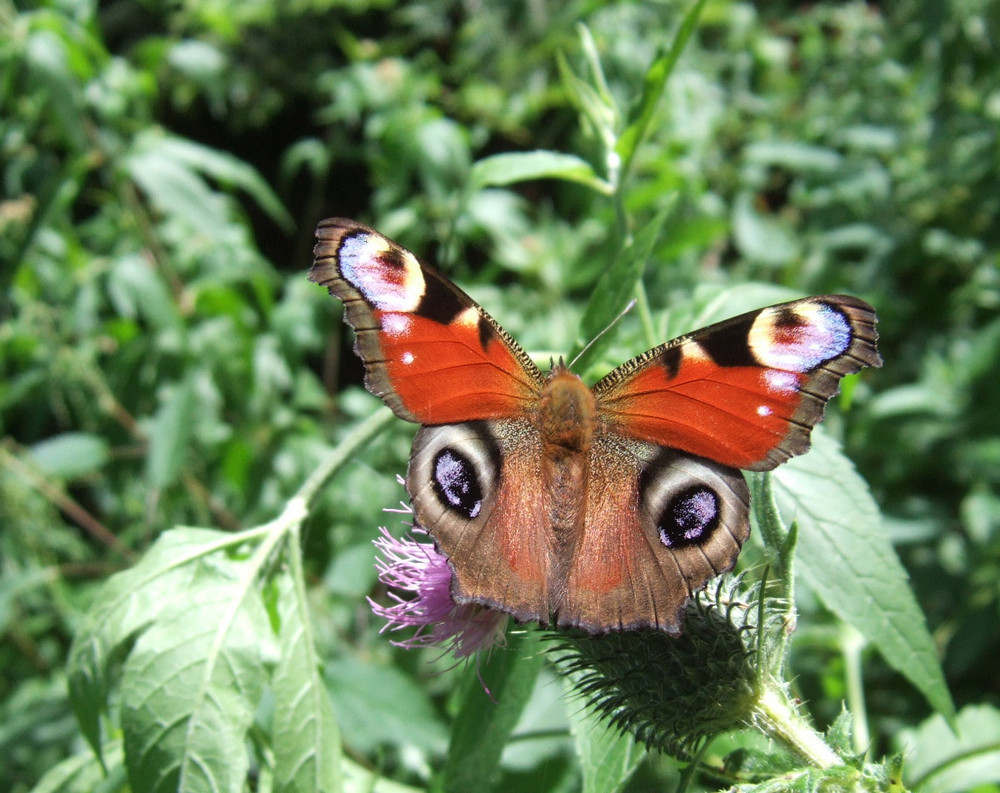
431 353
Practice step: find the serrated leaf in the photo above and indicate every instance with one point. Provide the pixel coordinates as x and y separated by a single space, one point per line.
941 759
192 683
170 435
846 557
607 757
125 605
305 738
70 455
511 167
485 721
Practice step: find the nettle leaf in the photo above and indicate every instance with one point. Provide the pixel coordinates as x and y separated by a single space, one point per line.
192 683
306 740
129 602
846 557
939 758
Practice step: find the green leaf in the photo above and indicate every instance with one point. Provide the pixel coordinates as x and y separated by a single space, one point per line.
794 156
127 603
175 189
511 167
615 288
305 740
653 86
607 757
70 455
941 759
185 161
846 557
170 435
84 773
379 705
192 683
485 721
761 237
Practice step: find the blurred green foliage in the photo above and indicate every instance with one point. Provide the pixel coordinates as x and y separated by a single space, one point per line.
164 362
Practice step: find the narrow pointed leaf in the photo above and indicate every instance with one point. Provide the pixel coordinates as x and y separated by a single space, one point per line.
306 740
511 167
171 434
485 721
616 287
653 87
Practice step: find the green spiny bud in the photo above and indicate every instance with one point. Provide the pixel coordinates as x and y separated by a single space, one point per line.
674 693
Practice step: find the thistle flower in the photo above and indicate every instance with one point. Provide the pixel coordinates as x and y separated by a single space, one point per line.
419 580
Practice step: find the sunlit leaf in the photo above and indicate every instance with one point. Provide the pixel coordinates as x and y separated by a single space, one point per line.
845 556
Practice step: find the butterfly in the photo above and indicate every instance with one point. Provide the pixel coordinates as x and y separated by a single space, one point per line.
604 507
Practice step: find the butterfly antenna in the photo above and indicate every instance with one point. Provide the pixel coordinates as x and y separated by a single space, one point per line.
609 326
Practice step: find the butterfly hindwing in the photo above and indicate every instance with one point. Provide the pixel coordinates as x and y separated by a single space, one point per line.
747 391
477 487
659 524
430 351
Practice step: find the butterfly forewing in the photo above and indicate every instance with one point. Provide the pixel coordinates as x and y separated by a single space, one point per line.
430 352
747 391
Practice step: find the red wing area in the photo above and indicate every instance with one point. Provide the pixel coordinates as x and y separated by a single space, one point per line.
745 392
730 415
444 374
430 352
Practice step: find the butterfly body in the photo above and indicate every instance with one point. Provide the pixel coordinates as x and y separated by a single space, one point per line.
605 507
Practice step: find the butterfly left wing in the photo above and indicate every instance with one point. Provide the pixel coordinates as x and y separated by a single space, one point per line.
745 392
430 351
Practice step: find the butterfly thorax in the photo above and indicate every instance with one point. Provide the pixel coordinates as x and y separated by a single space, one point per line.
567 415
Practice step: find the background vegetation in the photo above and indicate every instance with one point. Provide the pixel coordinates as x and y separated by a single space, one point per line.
164 362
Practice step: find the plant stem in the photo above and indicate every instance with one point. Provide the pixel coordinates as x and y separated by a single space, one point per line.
781 721
353 441
852 643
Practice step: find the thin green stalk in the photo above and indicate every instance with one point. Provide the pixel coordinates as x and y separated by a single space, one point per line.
852 644
777 718
353 441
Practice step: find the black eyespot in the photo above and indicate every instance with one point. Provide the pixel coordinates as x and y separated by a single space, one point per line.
689 518
456 483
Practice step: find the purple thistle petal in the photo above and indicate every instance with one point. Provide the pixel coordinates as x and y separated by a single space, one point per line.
422 577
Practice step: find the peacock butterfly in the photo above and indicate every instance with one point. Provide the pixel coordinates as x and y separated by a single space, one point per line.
607 507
